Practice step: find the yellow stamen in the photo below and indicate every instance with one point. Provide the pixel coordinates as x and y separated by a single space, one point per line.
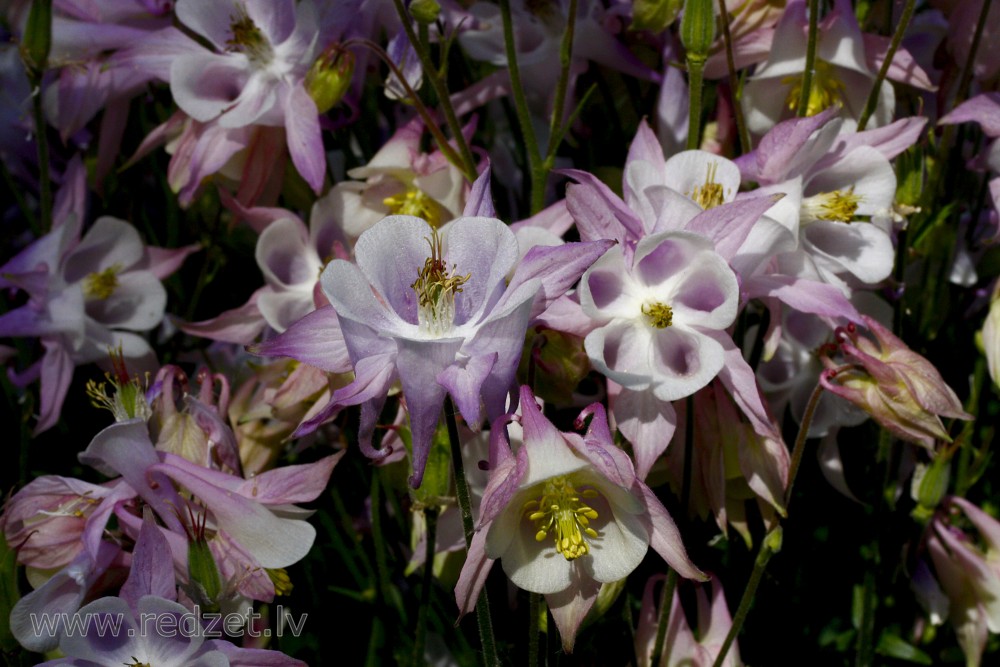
436 287
102 284
282 582
839 205
824 91
658 315
710 194
135 663
560 509
415 202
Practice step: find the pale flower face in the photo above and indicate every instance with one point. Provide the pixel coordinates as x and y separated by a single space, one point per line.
657 314
574 518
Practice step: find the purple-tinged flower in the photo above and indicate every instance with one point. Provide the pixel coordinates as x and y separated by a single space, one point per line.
398 180
86 295
682 646
843 75
895 385
432 309
564 515
968 570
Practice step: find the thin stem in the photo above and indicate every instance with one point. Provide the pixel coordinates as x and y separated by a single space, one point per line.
565 60
897 38
970 62
767 549
667 597
430 517
42 144
534 627
810 68
771 543
695 67
800 441
666 602
734 82
425 115
561 132
483 618
440 88
381 564
523 114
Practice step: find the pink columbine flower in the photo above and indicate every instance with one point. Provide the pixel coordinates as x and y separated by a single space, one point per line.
565 514
895 385
969 573
432 309
86 295
684 646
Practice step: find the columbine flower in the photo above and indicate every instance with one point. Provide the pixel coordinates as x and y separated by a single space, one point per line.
253 73
656 316
433 310
86 295
892 383
565 514
969 574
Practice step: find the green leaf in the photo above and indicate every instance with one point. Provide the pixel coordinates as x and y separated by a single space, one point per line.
893 646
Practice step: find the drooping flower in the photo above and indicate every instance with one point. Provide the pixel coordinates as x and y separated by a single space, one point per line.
684 646
895 385
968 571
565 514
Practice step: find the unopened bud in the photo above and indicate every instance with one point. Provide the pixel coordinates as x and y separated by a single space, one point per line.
698 28
425 11
330 77
930 484
37 38
655 15
203 572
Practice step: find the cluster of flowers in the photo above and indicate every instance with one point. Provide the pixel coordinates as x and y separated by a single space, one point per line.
716 303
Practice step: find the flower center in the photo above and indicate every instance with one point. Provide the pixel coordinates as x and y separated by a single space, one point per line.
248 39
282 582
658 315
135 663
825 91
414 202
560 510
839 205
102 284
436 287
710 194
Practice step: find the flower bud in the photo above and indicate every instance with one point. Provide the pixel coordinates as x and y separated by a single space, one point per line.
329 77
698 28
654 15
37 40
895 385
425 11
203 572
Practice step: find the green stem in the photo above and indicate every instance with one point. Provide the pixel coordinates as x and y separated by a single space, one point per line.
768 547
800 441
430 539
734 82
897 38
534 627
433 75
696 68
771 543
810 68
468 169
381 565
535 167
667 597
565 60
483 618
666 601
42 144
